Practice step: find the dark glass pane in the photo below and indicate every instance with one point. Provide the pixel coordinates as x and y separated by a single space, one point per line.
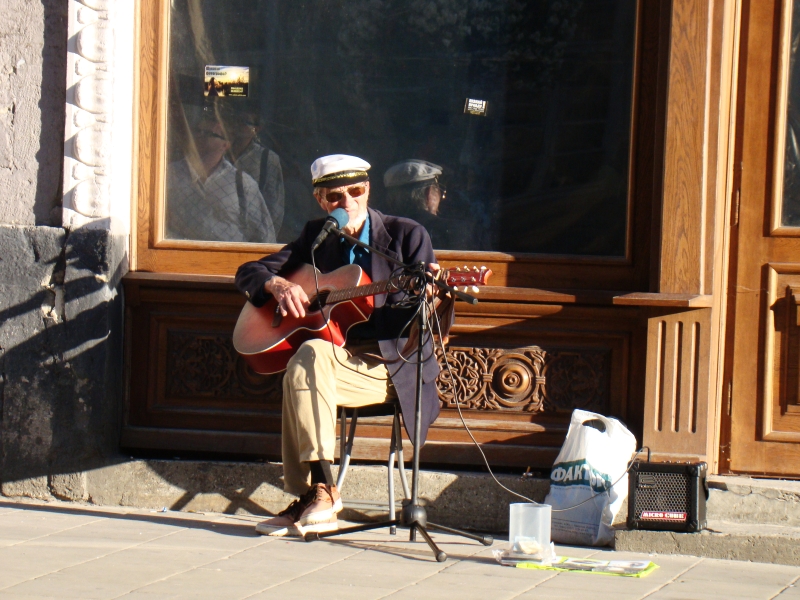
790 215
542 169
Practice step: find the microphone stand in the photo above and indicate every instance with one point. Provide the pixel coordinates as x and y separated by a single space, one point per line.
413 516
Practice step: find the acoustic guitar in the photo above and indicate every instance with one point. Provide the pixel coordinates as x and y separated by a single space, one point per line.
267 340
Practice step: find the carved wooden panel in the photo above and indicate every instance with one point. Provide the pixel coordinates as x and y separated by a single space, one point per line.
527 379
206 364
518 382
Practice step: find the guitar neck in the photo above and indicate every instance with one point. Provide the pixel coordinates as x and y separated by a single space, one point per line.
376 287
463 278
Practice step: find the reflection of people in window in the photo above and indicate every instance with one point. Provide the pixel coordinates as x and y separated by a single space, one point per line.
413 190
212 88
249 153
209 199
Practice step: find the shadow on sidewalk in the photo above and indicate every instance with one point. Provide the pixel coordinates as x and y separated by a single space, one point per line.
223 528
398 546
401 547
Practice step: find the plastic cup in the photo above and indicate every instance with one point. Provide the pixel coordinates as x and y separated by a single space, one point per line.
529 528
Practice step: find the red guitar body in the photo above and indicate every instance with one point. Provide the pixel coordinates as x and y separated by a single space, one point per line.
267 343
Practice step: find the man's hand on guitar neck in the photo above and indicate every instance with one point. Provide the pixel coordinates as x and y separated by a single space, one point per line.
437 272
291 298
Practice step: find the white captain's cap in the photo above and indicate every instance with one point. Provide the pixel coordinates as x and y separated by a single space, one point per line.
337 170
410 171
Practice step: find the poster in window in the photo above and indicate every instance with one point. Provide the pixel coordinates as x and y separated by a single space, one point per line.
223 81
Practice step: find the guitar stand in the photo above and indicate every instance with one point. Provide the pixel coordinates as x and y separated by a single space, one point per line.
413 515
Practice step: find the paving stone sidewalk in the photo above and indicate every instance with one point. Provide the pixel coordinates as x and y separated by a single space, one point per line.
61 550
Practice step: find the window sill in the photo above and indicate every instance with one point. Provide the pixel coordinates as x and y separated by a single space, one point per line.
487 293
595 297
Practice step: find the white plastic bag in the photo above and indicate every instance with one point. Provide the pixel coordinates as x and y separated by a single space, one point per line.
589 463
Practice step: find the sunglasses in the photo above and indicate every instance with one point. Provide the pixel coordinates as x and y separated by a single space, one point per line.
353 192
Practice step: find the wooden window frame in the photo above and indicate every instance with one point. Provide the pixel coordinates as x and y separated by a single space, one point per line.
150 252
781 104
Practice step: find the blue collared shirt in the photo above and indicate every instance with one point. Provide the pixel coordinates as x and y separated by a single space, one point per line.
353 254
356 254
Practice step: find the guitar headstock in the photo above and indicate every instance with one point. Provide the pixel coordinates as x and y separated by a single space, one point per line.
467 277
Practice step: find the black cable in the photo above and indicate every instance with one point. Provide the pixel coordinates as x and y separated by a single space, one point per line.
486 461
419 299
405 360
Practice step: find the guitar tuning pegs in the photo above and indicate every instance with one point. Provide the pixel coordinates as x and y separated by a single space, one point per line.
455 287
475 289
483 267
466 267
475 269
458 269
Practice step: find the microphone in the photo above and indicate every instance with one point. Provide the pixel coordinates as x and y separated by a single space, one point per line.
335 221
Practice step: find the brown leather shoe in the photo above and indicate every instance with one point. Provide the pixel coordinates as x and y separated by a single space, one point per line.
284 522
322 507
331 524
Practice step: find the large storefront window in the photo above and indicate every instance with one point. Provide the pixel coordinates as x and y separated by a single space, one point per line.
501 126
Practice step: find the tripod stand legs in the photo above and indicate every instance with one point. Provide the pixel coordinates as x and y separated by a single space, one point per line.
439 554
486 540
314 536
413 528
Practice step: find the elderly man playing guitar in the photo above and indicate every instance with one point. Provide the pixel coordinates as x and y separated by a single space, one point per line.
320 375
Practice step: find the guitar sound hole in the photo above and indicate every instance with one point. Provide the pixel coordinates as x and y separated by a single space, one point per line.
318 302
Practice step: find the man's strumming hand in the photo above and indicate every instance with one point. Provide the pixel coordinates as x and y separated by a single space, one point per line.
291 298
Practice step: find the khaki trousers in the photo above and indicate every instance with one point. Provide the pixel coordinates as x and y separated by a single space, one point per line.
314 385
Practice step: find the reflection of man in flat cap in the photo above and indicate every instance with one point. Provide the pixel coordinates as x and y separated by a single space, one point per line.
414 185
413 190
321 376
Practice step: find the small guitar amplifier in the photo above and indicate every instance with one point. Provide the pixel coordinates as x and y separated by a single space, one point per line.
667 496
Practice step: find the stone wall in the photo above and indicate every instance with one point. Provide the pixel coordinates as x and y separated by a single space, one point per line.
60 311
33 62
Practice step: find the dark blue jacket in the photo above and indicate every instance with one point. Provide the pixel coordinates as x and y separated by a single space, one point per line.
404 239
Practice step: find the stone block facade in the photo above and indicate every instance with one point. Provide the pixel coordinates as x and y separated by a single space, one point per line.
61 318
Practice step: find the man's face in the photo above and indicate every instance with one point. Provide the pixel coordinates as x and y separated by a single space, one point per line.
433 198
353 198
243 131
210 140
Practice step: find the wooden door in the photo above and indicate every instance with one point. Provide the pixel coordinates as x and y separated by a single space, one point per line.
763 399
